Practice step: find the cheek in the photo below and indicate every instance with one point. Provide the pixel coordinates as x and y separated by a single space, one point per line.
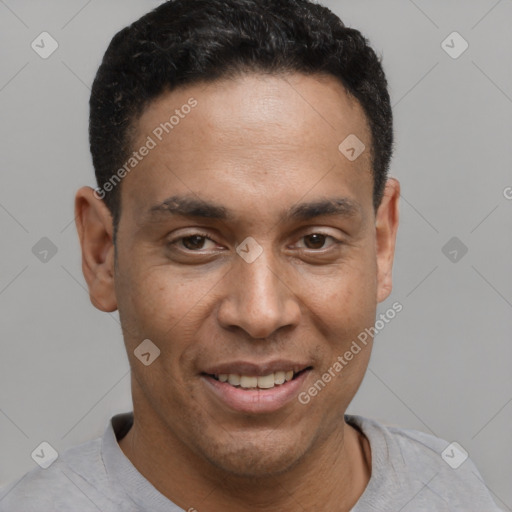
150 302
346 298
153 306
161 304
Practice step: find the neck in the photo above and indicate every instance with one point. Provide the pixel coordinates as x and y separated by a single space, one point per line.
331 476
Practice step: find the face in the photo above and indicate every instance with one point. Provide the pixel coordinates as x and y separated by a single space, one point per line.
248 250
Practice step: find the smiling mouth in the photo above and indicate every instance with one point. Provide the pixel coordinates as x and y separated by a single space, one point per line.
262 382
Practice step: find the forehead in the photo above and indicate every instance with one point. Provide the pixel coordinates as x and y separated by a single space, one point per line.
272 137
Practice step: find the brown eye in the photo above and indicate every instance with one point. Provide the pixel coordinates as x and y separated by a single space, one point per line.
193 242
316 240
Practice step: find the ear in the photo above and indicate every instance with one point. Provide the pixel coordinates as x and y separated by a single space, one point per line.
95 231
386 227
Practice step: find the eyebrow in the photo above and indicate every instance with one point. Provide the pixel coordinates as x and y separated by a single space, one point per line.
186 206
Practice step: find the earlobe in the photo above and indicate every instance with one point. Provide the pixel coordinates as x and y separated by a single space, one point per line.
386 227
95 231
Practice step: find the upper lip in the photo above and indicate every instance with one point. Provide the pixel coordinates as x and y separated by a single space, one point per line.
256 369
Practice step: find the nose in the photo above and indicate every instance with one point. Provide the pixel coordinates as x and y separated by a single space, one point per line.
258 297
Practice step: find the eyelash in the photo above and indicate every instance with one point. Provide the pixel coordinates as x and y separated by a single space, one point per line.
204 235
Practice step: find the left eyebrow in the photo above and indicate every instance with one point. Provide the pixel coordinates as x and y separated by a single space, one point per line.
338 206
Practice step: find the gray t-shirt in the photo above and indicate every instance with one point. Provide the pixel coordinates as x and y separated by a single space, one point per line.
408 475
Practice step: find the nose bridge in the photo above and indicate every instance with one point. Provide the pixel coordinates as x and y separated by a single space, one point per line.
262 285
258 300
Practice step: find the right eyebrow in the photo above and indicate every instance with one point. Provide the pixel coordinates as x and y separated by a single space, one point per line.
185 206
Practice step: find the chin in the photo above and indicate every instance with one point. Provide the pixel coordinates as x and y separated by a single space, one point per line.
262 458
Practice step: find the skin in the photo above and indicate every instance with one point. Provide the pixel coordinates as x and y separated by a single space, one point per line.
257 145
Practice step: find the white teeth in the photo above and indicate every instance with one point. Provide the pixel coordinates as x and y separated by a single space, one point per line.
266 382
248 382
234 379
263 382
279 377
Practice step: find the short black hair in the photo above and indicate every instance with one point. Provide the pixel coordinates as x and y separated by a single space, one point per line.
182 42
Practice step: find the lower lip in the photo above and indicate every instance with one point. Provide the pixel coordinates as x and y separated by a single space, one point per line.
255 400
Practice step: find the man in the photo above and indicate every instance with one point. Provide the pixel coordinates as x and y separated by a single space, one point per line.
244 226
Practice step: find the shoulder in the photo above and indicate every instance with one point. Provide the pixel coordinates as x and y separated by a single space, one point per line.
73 482
423 467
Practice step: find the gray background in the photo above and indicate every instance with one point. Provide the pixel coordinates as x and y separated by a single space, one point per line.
441 366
